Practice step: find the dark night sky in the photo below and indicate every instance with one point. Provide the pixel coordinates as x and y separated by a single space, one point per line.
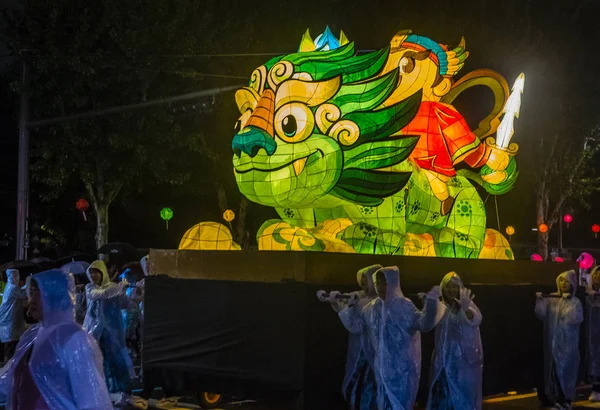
554 42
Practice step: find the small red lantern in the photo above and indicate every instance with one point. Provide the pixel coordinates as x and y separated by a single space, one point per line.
568 219
536 257
595 229
543 228
82 206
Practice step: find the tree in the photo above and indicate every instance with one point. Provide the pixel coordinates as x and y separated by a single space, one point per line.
565 175
92 55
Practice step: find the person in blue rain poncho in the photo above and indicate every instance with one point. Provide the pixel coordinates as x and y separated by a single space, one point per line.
561 315
103 321
358 387
393 324
592 333
457 361
131 312
12 312
57 365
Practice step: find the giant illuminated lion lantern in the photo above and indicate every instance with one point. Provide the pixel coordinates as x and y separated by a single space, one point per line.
359 152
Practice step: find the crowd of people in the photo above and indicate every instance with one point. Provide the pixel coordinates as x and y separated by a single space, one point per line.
79 351
383 364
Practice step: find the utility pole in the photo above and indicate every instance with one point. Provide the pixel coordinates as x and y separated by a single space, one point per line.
23 175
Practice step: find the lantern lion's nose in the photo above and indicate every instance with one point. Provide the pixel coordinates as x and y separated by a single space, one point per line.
251 139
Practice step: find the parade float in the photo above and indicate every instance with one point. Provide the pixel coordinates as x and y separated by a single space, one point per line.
365 153
365 160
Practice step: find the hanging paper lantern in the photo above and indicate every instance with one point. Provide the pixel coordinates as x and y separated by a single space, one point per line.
536 257
228 215
595 229
558 259
166 214
82 205
585 260
510 231
568 218
543 228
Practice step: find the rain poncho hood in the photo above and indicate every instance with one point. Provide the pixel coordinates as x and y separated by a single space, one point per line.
393 327
571 277
561 317
65 363
592 329
144 263
12 318
457 359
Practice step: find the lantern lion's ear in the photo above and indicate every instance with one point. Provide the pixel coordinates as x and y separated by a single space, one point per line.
246 99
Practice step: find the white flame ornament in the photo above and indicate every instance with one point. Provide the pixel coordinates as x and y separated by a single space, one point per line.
511 111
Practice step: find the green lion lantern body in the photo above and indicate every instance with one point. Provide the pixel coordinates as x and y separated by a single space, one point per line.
357 153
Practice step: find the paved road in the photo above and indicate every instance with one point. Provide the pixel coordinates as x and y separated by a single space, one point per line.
524 402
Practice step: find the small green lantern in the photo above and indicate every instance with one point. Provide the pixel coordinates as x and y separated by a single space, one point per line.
166 214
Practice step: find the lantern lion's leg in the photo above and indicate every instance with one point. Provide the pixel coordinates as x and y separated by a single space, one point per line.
464 233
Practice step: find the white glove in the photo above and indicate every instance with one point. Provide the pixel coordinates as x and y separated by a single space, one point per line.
434 293
566 295
465 298
333 296
354 299
125 283
538 295
321 295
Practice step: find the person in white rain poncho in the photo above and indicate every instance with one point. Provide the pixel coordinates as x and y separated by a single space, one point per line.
358 387
457 361
393 324
57 365
12 312
561 315
103 321
592 333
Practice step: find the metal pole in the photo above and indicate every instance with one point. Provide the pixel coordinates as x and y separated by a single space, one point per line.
121 108
560 232
23 175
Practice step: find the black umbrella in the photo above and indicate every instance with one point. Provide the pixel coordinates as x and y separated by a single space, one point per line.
25 268
44 263
121 250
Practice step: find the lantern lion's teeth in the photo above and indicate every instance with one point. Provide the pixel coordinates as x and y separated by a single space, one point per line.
299 165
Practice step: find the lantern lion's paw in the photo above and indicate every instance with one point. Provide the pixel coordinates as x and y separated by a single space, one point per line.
495 246
208 236
276 235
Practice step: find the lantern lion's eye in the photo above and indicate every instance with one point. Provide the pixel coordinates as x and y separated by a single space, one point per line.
294 122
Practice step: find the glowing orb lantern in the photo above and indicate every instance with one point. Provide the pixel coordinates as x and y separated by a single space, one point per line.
166 214
536 257
228 215
586 261
510 231
82 205
595 229
568 219
543 228
558 259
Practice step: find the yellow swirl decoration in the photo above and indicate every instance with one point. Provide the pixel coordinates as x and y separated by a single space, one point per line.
280 72
258 78
325 116
345 132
